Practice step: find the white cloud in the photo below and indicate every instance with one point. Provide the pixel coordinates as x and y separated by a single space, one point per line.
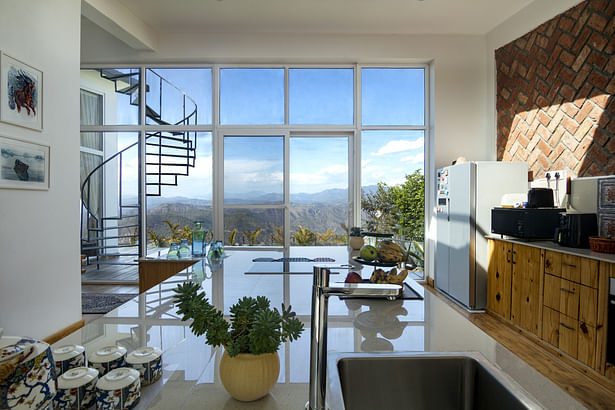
418 158
394 146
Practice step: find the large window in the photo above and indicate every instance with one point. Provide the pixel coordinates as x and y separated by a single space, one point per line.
270 155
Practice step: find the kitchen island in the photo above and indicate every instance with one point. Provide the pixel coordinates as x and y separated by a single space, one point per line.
190 367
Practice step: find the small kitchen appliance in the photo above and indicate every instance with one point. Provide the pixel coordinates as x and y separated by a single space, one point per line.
526 223
575 229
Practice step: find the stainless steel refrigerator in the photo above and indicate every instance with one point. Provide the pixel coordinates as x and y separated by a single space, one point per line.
465 194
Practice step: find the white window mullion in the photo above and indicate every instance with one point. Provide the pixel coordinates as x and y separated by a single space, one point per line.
286 189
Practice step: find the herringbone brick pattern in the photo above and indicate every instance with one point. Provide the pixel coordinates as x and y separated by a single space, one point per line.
554 93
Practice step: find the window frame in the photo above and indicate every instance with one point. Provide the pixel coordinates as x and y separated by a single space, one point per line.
218 130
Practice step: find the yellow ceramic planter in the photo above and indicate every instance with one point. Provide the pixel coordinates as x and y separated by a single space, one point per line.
248 377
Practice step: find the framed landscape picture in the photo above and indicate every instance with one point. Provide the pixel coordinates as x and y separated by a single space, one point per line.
21 88
23 165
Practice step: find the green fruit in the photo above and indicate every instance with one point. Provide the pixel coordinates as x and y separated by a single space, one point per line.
368 252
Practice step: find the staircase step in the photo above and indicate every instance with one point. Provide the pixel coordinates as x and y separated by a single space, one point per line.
153 144
166 164
129 90
113 263
111 227
162 155
182 140
161 184
118 218
102 238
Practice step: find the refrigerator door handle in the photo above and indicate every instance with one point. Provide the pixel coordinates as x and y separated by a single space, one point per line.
448 210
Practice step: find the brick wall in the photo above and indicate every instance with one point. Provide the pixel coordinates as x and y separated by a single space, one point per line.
554 93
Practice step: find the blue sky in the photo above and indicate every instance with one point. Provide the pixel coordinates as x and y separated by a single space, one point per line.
390 96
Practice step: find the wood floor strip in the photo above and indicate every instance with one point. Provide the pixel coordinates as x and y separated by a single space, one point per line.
582 383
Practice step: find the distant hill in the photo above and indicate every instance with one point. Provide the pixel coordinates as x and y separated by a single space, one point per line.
317 212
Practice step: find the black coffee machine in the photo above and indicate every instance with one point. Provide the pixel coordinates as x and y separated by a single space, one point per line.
575 229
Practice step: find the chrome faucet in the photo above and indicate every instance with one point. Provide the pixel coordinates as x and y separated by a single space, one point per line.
321 291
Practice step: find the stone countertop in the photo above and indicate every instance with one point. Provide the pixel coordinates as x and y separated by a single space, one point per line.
190 376
550 245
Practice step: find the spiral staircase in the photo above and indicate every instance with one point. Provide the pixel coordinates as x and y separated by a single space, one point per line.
110 233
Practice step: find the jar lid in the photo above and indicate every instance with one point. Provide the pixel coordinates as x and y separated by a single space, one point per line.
67 352
144 355
107 354
12 346
118 379
76 377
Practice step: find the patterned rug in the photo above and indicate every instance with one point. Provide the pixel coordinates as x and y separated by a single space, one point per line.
92 303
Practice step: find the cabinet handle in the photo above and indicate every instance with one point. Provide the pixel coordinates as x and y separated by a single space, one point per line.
567 327
569 265
508 256
566 290
513 257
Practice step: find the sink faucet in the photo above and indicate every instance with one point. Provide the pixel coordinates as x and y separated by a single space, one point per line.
321 290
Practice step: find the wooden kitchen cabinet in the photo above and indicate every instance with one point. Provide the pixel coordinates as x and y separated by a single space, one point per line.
560 297
526 289
499 278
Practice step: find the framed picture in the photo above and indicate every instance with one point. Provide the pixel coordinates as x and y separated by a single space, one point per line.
23 165
21 88
606 194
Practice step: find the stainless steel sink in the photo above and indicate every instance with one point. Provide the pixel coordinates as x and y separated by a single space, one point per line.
417 381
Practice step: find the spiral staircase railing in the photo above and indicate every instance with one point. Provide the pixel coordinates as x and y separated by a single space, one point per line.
106 238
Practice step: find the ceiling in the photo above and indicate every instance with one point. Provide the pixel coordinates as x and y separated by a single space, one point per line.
325 16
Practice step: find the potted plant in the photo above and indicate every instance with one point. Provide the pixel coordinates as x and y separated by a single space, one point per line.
250 365
356 238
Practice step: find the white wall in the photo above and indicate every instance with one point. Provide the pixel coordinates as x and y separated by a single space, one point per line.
516 26
39 238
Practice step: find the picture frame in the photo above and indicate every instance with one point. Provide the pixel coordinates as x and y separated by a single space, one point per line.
606 194
21 89
23 164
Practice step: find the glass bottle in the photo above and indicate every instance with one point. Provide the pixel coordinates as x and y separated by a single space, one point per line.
198 240
220 248
173 251
184 249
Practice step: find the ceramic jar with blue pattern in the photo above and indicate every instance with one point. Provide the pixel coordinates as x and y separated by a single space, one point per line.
118 389
76 389
29 379
108 358
68 357
148 362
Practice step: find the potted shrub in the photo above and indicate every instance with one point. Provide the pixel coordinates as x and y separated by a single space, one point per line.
250 365
355 238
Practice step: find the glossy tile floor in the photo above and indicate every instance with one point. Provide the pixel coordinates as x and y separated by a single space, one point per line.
190 379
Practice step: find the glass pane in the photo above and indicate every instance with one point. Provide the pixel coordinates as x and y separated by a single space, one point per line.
393 96
91 193
253 170
91 112
254 227
185 203
392 182
178 96
252 96
321 96
120 86
318 190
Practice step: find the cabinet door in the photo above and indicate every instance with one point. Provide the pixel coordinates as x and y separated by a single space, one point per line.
552 292
589 272
526 307
550 326
569 298
553 263
586 349
571 267
499 280
568 335
588 305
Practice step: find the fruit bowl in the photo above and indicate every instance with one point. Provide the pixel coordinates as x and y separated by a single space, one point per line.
373 262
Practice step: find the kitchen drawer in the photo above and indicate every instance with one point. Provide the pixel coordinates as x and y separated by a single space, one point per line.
553 263
568 335
550 326
569 298
588 305
571 267
586 347
589 272
551 297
